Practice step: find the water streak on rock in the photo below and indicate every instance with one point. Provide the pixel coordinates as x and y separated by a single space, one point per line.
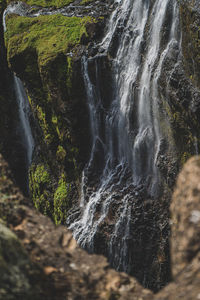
24 112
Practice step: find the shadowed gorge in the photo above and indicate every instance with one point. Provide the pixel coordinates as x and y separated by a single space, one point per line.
106 102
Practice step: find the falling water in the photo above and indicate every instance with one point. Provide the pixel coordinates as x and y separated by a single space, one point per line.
129 152
24 112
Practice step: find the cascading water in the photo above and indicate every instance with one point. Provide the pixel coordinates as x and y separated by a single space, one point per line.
24 111
127 137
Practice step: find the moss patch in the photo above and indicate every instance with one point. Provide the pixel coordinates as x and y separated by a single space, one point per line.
86 2
61 200
40 184
49 35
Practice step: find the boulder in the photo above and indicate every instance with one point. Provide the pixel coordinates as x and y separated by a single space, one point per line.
185 212
18 275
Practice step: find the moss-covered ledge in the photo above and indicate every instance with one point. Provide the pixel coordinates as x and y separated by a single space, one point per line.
47 35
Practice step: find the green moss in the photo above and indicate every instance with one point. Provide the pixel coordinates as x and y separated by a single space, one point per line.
49 35
44 125
69 72
61 200
86 2
61 153
57 126
39 183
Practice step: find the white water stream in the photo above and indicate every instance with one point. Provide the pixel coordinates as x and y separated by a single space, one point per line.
24 111
130 154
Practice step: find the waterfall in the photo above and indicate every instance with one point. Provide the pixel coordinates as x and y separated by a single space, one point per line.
21 97
125 152
24 112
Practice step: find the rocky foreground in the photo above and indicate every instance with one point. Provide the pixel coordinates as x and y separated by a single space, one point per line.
39 260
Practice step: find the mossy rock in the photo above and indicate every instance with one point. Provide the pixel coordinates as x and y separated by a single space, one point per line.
62 200
45 52
41 188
